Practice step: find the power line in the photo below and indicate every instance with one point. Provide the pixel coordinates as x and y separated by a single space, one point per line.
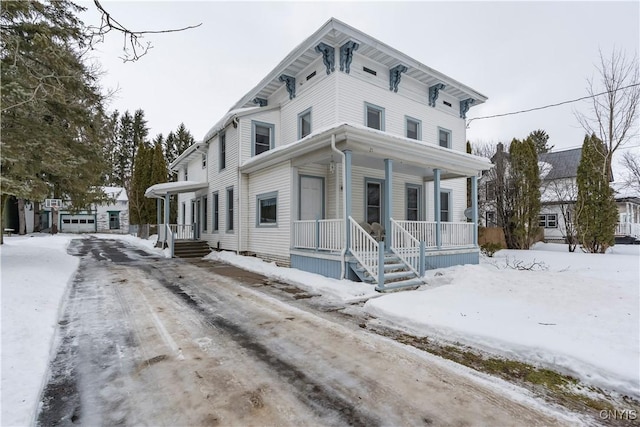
550 105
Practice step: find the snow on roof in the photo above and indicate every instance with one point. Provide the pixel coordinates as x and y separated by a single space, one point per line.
118 193
161 190
624 191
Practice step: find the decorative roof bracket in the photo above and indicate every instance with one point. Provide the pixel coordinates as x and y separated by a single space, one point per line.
328 56
290 83
394 76
346 55
262 102
464 107
434 91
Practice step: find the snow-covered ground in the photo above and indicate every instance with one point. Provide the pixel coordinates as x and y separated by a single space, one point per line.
580 315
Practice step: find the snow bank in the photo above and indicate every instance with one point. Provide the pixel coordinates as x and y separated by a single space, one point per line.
343 290
580 316
35 273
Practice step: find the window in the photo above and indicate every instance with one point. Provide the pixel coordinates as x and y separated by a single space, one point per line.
205 218
114 220
304 123
491 219
414 193
374 201
204 161
445 206
374 116
216 212
262 137
267 210
491 191
548 220
230 209
184 213
186 174
413 128
444 138
223 151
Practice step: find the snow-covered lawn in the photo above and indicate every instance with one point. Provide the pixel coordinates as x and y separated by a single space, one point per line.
581 315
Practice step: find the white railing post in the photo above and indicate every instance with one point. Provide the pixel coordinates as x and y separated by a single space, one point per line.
366 250
405 246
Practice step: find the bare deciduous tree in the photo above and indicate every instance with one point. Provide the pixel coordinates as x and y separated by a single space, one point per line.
631 164
613 114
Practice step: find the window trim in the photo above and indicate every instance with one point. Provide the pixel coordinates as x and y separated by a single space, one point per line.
300 116
449 142
368 105
215 210
418 187
449 192
261 197
229 223
222 151
544 218
407 119
366 196
272 136
324 195
117 213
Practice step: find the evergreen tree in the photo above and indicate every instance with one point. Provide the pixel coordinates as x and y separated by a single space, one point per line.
525 185
597 213
52 116
158 176
139 183
541 141
124 152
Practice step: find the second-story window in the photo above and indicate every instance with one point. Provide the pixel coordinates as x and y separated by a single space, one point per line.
204 161
223 151
186 174
374 116
263 138
304 123
413 128
444 138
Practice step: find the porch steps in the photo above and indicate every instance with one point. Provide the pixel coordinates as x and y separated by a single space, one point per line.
191 249
396 273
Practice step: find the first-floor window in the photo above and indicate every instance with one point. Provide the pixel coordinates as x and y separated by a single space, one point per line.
445 206
548 220
216 214
205 217
230 209
491 219
267 209
114 220
374 202
413 202
184 213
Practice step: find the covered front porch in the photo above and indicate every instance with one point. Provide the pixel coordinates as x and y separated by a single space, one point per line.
378 207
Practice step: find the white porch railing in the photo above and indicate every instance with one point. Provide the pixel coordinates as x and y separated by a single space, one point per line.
406 247
182 231
457 233
628 229
422 231
321 234
367 250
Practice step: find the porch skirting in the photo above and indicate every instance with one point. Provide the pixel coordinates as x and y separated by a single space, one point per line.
328 265
449 258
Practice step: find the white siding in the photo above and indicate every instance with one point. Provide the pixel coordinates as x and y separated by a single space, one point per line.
245 126
458 189
270 243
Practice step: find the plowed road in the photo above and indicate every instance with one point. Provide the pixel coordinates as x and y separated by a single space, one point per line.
153 341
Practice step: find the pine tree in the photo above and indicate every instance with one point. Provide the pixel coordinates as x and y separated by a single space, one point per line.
124 153
52 116
139 184
541 141
597 213
158 175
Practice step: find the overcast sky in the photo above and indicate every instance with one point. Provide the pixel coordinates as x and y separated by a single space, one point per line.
519 54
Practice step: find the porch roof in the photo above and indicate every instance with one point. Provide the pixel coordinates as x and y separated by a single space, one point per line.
377 144
159 191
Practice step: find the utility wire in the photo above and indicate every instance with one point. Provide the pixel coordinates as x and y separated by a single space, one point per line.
550 105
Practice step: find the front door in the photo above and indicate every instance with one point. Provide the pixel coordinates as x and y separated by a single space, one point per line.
311 197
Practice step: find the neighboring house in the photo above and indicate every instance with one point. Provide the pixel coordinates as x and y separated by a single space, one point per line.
112 217
559 192
348 160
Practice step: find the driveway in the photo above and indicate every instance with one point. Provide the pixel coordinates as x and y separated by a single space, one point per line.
145 340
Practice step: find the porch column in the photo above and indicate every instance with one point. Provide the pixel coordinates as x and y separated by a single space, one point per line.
347 198
388 171
166 213
436 206
474 208
158 212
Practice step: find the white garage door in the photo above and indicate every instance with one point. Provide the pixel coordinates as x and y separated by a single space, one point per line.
78 223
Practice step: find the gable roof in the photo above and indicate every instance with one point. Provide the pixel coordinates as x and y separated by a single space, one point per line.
336 33
561 164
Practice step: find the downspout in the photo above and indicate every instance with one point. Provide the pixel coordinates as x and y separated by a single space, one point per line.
344 201
240 222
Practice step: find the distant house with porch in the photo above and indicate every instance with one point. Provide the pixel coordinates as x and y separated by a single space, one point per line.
348 160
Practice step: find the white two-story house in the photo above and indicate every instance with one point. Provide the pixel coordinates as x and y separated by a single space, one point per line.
348 159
